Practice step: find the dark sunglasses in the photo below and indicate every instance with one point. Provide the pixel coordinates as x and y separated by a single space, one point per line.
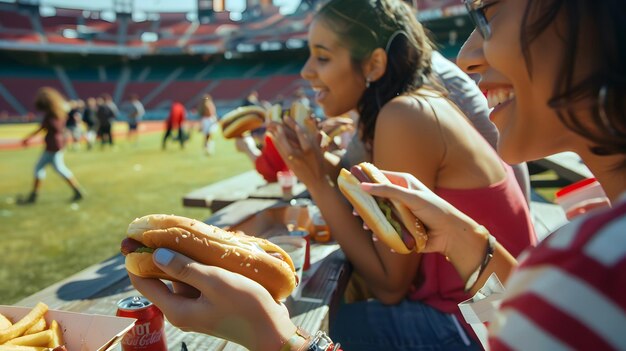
477 15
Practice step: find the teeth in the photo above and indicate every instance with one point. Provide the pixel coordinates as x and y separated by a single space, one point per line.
496 97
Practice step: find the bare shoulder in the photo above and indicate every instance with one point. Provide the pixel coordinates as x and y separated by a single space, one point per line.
408 138
409 113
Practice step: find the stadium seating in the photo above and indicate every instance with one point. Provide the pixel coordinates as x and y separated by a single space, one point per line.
24 89
13 20
183 60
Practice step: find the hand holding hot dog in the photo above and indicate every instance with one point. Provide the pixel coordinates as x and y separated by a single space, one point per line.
228 305
299 146
450 231
255 258
441 219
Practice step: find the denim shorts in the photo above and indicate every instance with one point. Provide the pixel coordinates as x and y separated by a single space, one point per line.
409 325
56 159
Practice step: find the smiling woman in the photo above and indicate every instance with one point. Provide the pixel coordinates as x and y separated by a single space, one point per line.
375 58
555 70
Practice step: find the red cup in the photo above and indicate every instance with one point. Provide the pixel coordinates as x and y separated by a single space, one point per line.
581 197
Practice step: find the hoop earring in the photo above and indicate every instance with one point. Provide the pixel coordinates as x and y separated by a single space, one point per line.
367 82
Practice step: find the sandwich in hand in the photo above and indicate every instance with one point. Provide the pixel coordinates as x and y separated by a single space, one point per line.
299 113
275 113
391 221
255 258
242 119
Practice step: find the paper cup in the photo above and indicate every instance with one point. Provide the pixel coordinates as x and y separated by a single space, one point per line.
295 247
286 180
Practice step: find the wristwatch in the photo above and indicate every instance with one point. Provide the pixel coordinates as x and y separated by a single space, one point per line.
320 342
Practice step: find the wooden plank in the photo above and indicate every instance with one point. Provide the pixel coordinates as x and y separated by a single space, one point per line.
238 211
222 193
82 285
274 191
567 165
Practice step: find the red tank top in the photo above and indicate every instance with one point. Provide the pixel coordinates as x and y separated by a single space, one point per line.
502 209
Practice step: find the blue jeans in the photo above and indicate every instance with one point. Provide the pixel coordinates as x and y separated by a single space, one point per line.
407 326
55 158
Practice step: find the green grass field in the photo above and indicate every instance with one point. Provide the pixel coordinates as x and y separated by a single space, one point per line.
43 243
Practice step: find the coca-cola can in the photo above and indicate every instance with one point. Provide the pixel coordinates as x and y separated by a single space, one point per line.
148 334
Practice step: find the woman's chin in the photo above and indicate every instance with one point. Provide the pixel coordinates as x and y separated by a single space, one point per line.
334 112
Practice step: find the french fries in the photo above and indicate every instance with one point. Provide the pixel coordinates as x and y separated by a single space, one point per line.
23 324
57 335
40 325
30 333
42 339
21 348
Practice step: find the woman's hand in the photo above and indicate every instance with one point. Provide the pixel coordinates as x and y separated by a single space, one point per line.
442 220
300 149
217 302
450 231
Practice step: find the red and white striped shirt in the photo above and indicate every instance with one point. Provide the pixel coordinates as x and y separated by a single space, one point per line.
570 291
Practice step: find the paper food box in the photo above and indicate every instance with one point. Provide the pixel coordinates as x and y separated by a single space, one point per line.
82 332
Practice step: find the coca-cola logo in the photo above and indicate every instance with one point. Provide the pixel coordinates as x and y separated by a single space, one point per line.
141 335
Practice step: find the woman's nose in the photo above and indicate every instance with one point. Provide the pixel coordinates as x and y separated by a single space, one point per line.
307 72
471 58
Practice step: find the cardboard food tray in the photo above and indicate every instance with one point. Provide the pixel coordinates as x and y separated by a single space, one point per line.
82 332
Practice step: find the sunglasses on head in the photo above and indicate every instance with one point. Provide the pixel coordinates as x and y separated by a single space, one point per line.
475 8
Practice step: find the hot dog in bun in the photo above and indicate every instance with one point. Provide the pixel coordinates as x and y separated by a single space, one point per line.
241 120
255 258
391 221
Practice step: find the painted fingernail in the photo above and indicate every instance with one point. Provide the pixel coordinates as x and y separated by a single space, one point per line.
163 256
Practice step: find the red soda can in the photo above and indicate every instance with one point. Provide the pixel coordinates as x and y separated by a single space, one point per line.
148 334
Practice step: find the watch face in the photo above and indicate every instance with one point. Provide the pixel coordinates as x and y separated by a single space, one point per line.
321 342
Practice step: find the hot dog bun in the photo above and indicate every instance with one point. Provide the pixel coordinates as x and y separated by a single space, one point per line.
369 210
241 120
275 113
252 257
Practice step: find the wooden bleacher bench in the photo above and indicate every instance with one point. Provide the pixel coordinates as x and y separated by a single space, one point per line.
248 185
221 194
